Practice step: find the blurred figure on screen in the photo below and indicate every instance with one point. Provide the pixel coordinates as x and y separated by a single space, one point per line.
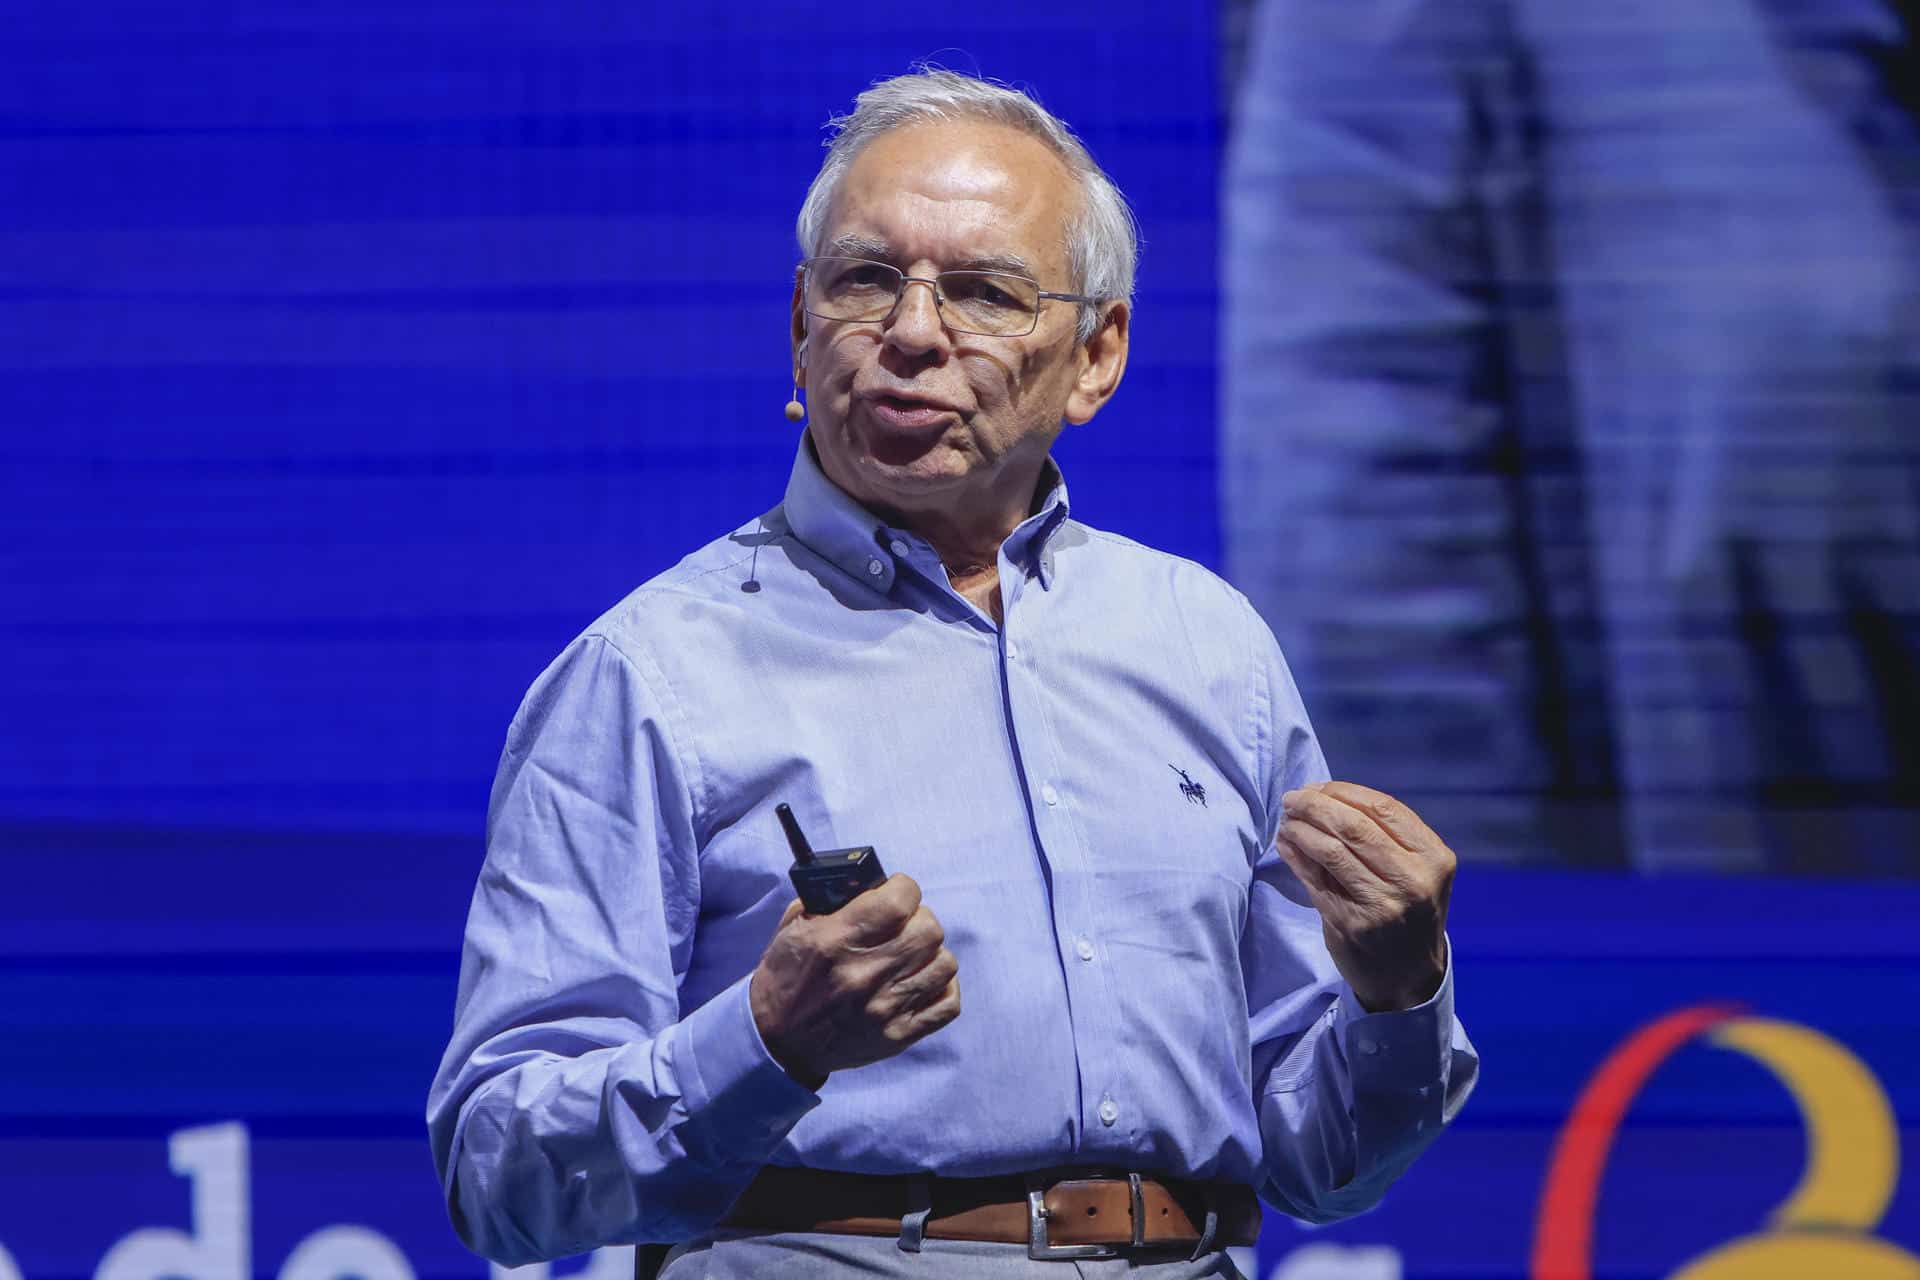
1571 416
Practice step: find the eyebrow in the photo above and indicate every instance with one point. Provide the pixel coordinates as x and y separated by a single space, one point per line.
859 246
1009 262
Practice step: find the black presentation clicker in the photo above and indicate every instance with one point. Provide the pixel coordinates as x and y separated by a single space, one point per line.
828 880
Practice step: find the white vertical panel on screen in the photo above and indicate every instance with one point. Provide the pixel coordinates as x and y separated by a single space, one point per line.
214 1161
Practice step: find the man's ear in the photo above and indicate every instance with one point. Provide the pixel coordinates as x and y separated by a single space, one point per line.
797 339
1100 361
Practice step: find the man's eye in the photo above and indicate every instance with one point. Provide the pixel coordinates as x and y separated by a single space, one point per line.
985 292
861 278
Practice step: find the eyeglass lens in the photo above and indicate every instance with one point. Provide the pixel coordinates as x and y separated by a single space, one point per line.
987 302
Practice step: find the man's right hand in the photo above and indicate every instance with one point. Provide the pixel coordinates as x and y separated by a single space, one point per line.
856 986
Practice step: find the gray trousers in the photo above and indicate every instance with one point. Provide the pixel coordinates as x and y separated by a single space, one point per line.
811 1255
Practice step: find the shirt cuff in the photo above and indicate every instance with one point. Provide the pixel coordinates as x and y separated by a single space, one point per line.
742 1100
1403 1050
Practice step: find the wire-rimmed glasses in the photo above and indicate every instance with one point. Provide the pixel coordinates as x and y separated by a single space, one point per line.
995 304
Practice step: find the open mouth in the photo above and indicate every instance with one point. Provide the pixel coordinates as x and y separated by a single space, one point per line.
903 430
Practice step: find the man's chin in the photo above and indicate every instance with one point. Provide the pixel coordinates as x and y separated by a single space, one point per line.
906 450
927 472
914 460
893 468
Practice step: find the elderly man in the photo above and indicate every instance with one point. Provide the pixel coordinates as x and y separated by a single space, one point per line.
1195 970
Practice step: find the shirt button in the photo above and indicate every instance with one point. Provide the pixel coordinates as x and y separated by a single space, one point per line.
898 547
1048 794
1012 652
1369 1047
1084 948
875 567
1109 1112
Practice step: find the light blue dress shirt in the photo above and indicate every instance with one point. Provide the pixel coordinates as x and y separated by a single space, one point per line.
1087 796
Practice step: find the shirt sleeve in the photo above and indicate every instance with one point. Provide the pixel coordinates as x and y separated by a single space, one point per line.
578 1104
1346 1099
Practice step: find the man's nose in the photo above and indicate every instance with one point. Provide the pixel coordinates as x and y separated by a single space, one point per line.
915 324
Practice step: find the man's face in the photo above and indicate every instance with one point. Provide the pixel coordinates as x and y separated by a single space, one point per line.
906 414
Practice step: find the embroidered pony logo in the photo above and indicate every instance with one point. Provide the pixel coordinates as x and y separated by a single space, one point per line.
1193 791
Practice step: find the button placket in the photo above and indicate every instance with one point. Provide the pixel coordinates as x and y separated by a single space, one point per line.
1098 1020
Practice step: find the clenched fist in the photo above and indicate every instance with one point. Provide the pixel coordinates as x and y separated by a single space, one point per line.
1380 879
856 986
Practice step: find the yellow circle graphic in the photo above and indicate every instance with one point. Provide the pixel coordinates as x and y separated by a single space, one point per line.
1853 1162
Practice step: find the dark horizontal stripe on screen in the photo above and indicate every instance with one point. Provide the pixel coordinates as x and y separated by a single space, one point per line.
541 297
564 297
536 130
517 463
1491 952
351 1127
246 963
540 626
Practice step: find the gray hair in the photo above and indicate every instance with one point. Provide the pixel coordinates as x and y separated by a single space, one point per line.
1102 239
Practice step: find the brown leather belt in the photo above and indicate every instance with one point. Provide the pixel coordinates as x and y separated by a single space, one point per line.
1056 1213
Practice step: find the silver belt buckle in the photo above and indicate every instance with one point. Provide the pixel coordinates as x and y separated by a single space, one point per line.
1037 1246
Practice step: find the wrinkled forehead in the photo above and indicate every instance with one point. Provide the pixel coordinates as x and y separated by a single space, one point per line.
957 193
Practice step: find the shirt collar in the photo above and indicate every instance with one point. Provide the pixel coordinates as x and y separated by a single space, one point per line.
831 523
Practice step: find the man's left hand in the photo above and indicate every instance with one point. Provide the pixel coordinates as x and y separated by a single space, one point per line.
1380 879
